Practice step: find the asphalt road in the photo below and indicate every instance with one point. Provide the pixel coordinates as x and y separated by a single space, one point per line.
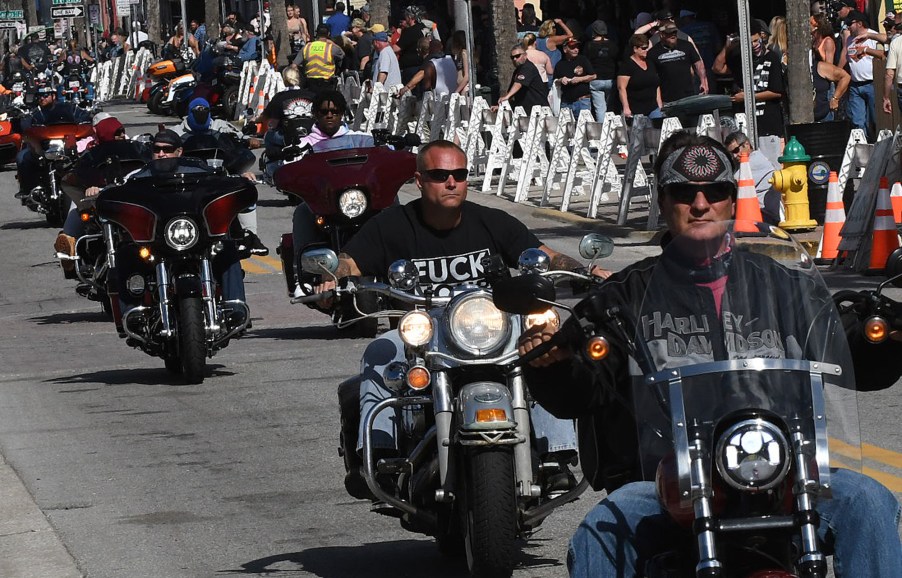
113 469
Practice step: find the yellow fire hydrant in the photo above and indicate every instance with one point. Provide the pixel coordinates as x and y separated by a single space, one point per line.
792 182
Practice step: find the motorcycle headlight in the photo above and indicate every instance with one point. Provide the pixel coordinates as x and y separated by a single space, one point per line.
56 150
549 318
753 455
135 285
181 233
415 328
352 203
476 325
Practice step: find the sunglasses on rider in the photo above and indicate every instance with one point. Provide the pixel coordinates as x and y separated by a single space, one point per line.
685 193
441 175
168 149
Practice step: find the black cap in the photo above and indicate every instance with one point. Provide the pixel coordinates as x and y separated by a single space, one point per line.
849 3
854 16
167 137
757 26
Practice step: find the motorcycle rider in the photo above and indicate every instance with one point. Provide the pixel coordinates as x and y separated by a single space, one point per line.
294 101
199 122
49 111
441 232
697 187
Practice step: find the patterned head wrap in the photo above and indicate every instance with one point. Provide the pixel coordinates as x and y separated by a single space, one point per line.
696 164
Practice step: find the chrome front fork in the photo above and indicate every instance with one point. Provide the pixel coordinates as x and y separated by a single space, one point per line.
522 451
209 296
163 296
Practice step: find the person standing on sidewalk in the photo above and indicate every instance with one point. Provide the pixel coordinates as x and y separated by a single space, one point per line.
602 53
573 74
675 59
860 54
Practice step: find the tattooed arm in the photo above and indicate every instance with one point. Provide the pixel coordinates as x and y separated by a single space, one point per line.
562 262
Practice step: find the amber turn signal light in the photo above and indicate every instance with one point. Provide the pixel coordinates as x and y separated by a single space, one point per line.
144 253
418 377
494 414
597 348
876 330
85 217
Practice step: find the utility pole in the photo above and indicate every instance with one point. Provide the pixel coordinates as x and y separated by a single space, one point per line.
31 16
152 17
504 35
380 12
212 18
799 73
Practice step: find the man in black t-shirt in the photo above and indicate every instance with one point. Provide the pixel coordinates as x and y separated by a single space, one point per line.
675 60
573 74
409 58
527 89
446 237
602 53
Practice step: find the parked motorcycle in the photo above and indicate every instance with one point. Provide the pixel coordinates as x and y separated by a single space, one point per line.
172 84
468 471
177 213
344 189
55 146
104 165
738 446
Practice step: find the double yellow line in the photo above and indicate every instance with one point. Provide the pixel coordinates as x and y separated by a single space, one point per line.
257 265
869 454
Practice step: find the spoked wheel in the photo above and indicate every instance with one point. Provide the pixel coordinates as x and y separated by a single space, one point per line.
230 102
490 532
192 340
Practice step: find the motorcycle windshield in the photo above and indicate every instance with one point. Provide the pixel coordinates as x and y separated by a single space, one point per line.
745 358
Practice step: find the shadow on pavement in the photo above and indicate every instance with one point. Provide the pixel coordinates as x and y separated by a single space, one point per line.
73 317
396 559
325 332
23 225
281 202
138 376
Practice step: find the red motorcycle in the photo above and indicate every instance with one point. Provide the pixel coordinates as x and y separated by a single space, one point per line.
344 189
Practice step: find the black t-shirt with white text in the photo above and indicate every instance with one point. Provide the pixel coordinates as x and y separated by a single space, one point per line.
443 258
674 65
534 90
579 66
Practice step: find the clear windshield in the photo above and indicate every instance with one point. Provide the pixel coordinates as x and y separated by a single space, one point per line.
740 325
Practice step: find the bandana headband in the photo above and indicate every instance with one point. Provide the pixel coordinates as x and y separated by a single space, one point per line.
696 164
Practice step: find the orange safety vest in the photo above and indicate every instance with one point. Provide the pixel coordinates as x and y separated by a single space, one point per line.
318 62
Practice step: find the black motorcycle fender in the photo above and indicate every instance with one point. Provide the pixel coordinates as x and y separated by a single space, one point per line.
188 286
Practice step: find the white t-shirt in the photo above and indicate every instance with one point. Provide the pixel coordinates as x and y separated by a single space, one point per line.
862 69
387 62
894 57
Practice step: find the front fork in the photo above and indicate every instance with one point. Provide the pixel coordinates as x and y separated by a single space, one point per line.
209 296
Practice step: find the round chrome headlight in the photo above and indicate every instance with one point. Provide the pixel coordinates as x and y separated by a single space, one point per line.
415 328
753 455
56 150
181 233
476 325
135 284
352 203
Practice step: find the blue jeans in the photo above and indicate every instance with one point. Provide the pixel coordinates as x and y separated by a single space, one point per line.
578 106
600 90
860 522
861 108
552 434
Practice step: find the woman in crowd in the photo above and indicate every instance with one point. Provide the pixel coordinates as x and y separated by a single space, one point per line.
458 52
637 81
778 41
822 36
537 57
549 42
528 21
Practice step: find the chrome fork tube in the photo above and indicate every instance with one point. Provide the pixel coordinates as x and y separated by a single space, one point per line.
522 451
812 562
206 281
163 294
443 407
110 245
708 564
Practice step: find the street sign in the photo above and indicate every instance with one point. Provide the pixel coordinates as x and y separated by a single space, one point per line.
94 13
4 24
65 2
11 15
76 11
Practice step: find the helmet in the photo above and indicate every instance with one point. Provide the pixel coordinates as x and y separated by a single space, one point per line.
199 115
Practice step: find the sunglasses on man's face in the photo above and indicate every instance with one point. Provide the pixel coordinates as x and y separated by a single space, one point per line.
441 175
685 193
167 149
516 56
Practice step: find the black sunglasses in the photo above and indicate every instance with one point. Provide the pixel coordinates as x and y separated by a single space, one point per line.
516 56
685 193
164 148
441 175
328 111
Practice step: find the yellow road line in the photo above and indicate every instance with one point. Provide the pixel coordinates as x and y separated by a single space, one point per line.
868 451
893 483
251 267
258 265
274 262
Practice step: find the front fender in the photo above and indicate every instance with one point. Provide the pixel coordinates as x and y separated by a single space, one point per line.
188 286
482 404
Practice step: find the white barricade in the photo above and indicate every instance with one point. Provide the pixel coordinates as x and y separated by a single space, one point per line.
103 81
139 79
559 165
533 167
522 134
247 85
473 144
612 136
498 152
581 172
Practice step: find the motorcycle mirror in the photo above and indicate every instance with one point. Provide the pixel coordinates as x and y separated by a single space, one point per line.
533 261
318 260
894 267
524 294
412 140
403 275
595 246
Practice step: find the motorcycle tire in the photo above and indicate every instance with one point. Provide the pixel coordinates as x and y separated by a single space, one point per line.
230 102
154 104
490 533
57 214
192 341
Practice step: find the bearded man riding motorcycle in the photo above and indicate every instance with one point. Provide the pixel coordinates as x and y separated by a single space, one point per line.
697 188
49 111
438 232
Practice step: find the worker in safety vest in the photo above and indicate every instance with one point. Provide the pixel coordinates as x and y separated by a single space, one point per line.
319 60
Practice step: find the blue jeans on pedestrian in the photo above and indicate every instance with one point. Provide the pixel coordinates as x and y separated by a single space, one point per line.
861 108
578 106
860 523
552 434
600 90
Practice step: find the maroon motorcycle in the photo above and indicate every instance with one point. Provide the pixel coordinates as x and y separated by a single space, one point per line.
344 189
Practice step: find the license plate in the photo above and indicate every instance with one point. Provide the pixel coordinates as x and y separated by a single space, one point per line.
19 87
74 84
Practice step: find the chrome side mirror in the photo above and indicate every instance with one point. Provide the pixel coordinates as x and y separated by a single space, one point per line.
403 275
318 261
533 261
595 246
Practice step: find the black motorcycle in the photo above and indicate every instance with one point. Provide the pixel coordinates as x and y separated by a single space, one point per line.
174 217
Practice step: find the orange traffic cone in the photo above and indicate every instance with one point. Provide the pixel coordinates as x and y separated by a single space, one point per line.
828 249
896 197
747 207
886 238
